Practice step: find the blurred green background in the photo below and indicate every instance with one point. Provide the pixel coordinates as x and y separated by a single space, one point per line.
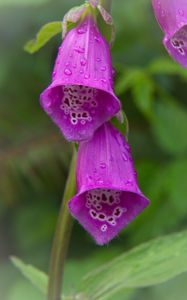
34 157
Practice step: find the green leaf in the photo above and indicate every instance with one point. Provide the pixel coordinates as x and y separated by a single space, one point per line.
142 87
166 66
148 264
48 31
170 126
35 276
21 2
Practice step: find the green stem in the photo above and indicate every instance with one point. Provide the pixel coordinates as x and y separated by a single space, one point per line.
107 4
61 237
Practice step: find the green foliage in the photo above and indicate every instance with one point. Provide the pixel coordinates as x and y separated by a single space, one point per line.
34 158
148 264
36 277
43 36
21 2
170 126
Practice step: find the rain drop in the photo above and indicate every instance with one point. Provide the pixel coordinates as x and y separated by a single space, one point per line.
124 156
97 39
181 12
102 165
103 80
83 61
86 76
103 68
67 72
81 30
79 49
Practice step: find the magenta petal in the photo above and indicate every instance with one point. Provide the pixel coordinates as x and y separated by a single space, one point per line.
108 194
172 17
80 97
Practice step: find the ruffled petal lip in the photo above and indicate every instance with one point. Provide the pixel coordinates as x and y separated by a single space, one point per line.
103 212
176 45
78 110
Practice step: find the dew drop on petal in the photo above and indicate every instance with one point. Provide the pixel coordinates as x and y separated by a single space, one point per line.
97 39
67 71
83 61
181 12
86 76
102 165
79 49
82 30
103 80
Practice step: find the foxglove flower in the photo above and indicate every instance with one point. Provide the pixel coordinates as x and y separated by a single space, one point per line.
108 194
172 17
80 97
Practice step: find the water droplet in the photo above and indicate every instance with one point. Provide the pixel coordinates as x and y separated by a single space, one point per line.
82 30
74 66
79 49
128 147
67 72
67 64
163 13
181 12
83 61
81 72
99 181
89 178
54 73
129 182
103 80
98 59
103 68
97 39
86 76
124 156
102 165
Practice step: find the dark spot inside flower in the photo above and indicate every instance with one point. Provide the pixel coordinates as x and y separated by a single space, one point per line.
104 198
84 114
101 216
93 213
66 101
111 199
110 219
117 212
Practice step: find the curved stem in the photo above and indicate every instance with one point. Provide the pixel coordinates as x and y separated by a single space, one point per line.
107 4
61 237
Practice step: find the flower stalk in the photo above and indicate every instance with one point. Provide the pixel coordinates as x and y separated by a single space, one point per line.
61 237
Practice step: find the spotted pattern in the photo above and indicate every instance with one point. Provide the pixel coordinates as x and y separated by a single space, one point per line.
78 102
179 41
98 201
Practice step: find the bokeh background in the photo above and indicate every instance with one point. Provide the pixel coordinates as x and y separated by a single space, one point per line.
34 157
